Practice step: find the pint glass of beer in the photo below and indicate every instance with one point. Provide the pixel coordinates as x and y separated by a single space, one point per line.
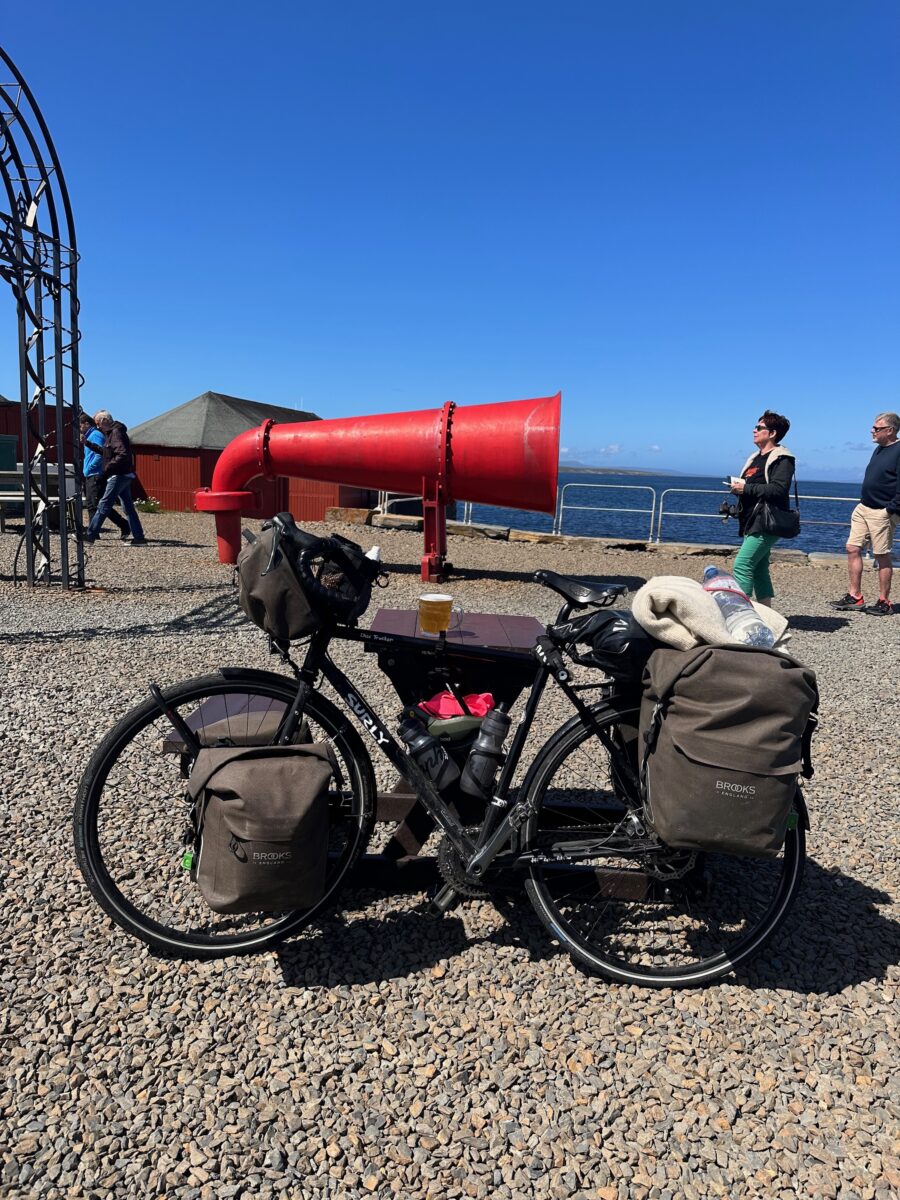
435 613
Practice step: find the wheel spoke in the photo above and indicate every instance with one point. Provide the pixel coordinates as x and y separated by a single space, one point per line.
653 916
133 810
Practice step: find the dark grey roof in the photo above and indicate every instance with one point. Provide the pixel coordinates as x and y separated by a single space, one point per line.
210 422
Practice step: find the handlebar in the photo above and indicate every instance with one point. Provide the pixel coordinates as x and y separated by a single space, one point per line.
332 550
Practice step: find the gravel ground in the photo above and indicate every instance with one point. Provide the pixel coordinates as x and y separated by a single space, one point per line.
400 1054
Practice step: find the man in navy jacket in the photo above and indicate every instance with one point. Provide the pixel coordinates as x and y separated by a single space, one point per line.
875 518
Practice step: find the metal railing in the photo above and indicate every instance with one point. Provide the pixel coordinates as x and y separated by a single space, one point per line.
706 516
386 499
656 512
562 507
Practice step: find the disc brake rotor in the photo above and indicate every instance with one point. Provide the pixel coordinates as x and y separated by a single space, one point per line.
670 864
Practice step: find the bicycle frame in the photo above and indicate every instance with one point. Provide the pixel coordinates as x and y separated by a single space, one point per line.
502 820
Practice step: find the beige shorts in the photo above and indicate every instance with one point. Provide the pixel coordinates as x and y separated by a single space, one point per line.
874 525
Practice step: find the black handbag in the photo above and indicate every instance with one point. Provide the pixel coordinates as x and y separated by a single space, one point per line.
782 522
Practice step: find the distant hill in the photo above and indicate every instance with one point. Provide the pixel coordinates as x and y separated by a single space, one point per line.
579 467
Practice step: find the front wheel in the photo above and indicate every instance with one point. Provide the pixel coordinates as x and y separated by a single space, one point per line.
649 916
132 810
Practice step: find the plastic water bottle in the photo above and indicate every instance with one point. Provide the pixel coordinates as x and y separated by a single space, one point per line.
485 756
428 753
741 619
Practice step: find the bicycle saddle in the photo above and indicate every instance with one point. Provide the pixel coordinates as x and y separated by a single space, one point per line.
580 592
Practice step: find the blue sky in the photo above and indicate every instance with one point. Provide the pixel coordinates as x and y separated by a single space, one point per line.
677 213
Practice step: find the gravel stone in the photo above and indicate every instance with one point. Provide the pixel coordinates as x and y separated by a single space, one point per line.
392 1053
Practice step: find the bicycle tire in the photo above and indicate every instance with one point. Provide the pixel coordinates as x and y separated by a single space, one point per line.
131 810
630 919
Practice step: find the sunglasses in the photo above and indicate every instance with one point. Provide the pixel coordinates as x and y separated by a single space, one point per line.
875 428
757 428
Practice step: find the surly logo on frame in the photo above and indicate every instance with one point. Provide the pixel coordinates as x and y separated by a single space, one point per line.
356 705
735 789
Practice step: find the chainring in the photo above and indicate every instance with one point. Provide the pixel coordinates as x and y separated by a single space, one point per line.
452 869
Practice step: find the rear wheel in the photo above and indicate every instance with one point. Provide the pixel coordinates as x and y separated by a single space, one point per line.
632 912
132 810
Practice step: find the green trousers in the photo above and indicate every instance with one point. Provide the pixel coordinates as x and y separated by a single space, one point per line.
751 567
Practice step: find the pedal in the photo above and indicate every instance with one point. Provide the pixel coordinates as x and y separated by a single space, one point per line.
444 899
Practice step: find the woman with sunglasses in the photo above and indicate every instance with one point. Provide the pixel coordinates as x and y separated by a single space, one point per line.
767 475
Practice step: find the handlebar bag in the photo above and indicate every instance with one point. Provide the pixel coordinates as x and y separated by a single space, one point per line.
274 599
261 816
288 593
724 736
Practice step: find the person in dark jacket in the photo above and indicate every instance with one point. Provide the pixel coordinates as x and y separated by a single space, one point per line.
92 442
767 475
118 473
875 519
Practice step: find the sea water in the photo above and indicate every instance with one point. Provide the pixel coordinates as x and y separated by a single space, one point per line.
686 494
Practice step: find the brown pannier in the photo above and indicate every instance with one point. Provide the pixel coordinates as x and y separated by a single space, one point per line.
724 739
262 824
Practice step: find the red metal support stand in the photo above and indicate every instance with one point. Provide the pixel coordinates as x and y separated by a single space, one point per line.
435 498
434 560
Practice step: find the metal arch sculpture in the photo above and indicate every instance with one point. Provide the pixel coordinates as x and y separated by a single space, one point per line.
38 258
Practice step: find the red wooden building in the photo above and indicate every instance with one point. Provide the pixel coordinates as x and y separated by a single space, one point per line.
176 453
11 426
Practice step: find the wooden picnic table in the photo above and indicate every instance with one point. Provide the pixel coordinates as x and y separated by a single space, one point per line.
414 666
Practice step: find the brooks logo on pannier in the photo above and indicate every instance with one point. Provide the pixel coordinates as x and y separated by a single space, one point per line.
743 789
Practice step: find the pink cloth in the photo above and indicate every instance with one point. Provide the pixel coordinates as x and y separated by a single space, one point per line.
445 704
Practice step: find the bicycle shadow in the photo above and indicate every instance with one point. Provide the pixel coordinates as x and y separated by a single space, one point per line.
183 545
152 542
632 582
834 938
370 949
208 619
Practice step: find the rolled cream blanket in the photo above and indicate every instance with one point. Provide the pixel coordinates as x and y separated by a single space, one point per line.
682 614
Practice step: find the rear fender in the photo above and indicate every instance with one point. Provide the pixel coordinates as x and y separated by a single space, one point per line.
800 801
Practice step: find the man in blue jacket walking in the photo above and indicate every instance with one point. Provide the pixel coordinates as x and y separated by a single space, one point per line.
93 441
118 474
